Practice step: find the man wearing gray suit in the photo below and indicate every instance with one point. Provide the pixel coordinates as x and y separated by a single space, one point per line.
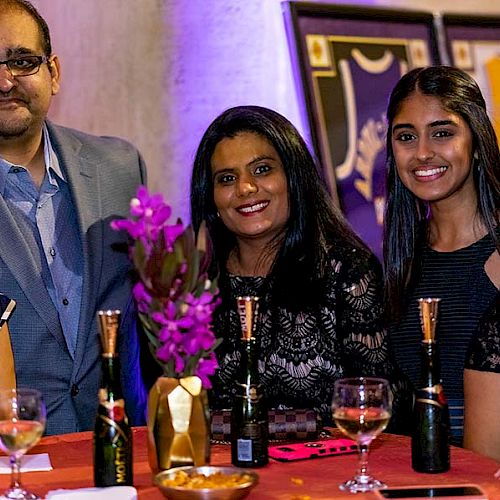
59 259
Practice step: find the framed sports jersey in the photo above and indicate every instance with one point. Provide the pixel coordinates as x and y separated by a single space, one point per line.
473 44
346 61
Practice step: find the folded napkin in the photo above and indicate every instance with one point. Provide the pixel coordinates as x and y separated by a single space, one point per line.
113 493
29 463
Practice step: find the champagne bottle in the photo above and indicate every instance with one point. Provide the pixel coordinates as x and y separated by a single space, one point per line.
112 433
249 418
430 449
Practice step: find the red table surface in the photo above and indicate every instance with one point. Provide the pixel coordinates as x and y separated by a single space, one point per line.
71 457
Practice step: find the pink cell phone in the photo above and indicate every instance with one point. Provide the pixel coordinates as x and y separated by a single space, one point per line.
312 449
451 492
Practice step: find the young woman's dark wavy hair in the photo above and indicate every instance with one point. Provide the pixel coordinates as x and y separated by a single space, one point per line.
406 226
314 224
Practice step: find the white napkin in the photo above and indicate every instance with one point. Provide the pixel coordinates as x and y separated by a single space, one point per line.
29 463
112 493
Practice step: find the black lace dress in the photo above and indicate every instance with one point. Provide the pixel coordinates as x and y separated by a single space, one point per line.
303 352
484 351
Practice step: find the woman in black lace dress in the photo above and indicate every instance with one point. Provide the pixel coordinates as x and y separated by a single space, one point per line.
442 226
277 235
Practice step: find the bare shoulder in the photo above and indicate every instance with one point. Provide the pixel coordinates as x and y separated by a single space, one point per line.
492 268
476 379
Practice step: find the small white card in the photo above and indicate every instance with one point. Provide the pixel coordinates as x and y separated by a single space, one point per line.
112 493
29 463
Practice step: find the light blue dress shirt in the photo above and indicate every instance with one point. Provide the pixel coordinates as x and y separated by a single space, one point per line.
50 216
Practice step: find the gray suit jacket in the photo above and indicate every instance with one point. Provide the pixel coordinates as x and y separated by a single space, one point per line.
103 174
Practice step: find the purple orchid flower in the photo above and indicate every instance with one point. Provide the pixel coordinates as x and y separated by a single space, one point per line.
142 297
206 368
183 318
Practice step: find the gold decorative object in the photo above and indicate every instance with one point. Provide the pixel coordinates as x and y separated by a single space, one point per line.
178 423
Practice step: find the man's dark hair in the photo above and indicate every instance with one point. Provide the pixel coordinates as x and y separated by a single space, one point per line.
30 9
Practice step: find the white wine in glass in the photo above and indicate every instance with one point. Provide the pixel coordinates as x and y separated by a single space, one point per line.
22 422
361 409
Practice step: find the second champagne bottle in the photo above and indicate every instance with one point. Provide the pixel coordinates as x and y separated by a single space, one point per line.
430 448
249 417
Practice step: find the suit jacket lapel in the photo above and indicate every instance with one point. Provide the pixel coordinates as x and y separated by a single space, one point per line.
80 171
15 252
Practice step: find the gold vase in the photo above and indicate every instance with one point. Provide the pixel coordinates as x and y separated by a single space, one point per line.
178 423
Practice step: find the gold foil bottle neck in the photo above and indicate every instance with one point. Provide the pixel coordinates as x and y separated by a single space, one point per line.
247 309
428 317
109 322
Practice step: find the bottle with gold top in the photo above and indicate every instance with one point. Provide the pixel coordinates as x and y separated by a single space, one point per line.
249 418
112 433
430 449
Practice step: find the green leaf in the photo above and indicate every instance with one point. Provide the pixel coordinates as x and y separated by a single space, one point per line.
169 271
192 274
139 259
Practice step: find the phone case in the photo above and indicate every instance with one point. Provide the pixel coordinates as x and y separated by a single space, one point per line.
441 492
312 449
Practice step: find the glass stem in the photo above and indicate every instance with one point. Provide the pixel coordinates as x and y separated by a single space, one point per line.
363 461
15 472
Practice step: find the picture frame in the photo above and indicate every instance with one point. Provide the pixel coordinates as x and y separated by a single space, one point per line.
346 61
473 45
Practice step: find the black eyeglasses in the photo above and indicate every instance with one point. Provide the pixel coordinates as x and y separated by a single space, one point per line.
25 65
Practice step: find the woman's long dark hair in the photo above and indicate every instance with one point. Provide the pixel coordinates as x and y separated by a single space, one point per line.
314 224
406 226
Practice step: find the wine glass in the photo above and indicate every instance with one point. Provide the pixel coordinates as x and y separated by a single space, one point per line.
361 409
22 422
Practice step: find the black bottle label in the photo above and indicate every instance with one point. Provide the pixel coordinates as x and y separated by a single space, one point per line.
432 395
430 440
112 412
112 444
249 427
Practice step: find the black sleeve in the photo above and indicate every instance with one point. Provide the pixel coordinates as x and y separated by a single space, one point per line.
484 349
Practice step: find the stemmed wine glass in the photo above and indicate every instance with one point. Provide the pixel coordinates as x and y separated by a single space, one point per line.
361 409
22 422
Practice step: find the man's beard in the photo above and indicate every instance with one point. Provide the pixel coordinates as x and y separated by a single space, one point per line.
10 128
16 122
